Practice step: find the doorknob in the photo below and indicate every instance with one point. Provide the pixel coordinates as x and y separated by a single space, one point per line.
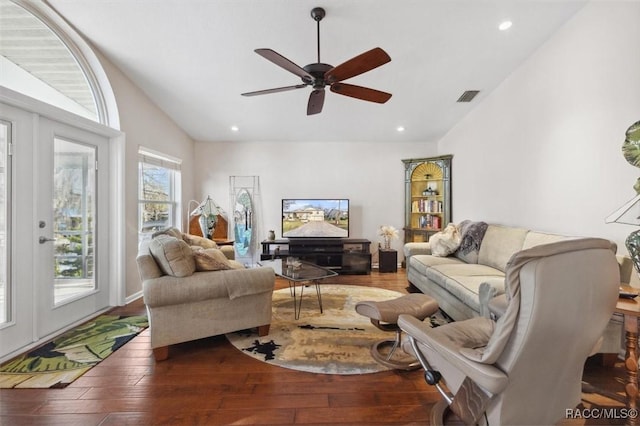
43 240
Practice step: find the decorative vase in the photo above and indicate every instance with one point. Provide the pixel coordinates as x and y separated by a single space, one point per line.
271 236
387 242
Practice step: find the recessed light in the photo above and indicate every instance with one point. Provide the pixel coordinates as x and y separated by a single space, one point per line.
234 128
400 129
505 25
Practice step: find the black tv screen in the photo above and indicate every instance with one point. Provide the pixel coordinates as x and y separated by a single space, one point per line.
315 218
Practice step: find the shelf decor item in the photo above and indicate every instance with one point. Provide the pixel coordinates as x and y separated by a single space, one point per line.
388 232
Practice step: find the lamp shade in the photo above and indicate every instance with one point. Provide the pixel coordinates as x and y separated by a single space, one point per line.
628 214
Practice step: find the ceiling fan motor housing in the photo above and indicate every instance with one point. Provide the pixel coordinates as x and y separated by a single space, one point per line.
317 70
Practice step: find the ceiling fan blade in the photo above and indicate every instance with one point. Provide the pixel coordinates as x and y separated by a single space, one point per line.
276 90
358 65
359 92
316 101
283 62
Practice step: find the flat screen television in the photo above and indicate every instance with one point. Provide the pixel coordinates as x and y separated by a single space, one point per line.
315 218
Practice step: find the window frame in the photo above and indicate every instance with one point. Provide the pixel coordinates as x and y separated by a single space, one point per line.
153 158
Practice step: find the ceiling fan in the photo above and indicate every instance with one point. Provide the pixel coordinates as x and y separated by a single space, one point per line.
319 75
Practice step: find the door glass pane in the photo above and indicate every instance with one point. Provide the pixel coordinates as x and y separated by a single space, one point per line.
74 217
5 203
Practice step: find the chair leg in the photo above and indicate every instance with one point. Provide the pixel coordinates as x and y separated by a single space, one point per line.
161 353
438 412
263 330
380 354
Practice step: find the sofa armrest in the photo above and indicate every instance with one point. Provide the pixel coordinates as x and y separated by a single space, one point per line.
228 251
411 249
488 290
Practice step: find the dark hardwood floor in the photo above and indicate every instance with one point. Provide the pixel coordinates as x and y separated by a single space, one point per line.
209 382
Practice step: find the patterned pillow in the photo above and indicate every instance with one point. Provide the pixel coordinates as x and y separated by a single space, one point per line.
472 235
210 260
173 256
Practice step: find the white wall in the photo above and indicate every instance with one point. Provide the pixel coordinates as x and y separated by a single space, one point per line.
371 175
544 150
145 125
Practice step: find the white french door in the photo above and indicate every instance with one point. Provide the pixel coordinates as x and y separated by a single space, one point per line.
55 225
73 226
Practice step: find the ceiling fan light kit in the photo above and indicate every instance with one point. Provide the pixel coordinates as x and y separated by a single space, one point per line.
319 75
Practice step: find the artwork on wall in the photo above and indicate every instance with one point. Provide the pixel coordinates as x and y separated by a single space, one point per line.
243 221
244 193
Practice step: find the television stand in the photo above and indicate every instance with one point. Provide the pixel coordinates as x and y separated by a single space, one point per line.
343 255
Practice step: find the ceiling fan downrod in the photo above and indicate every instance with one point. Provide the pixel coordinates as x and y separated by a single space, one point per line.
317 13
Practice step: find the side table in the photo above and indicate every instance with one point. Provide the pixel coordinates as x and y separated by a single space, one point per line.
630 309
387 260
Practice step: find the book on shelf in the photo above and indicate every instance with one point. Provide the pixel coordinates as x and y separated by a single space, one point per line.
426 206
430 221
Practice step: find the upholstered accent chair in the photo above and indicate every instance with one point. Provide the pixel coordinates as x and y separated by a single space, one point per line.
526 367
194 291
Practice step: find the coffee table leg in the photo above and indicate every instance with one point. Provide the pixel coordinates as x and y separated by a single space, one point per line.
319 294
296 303
631 362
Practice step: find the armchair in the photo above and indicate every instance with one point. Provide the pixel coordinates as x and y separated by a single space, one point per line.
526 367
186 303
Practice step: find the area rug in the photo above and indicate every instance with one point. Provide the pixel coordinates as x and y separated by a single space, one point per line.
61 361
337 341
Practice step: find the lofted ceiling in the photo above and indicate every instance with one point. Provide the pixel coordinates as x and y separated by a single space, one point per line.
193 58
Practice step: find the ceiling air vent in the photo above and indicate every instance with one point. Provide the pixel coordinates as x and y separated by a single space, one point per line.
468 96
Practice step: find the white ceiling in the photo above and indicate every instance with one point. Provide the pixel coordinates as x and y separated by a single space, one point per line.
193 58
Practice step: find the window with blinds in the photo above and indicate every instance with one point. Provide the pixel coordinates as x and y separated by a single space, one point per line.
158 192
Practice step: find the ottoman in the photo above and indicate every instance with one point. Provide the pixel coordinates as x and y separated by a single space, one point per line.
384 315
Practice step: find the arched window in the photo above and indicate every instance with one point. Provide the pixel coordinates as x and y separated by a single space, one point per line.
42 57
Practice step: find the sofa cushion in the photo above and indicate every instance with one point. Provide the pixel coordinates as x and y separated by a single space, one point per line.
499 244
472 234
463 280
210 260
537 238
174 256
421 262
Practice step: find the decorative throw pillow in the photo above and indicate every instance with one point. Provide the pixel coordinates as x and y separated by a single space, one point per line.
472 235
210 260
196 240
236 265
445 242
173 255
171 231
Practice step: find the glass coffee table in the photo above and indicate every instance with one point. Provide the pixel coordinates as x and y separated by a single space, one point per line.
299 272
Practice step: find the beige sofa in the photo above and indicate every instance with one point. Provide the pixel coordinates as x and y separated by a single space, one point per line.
463 284
185 302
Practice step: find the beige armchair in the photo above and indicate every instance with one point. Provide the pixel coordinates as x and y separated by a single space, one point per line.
185 302
526 367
